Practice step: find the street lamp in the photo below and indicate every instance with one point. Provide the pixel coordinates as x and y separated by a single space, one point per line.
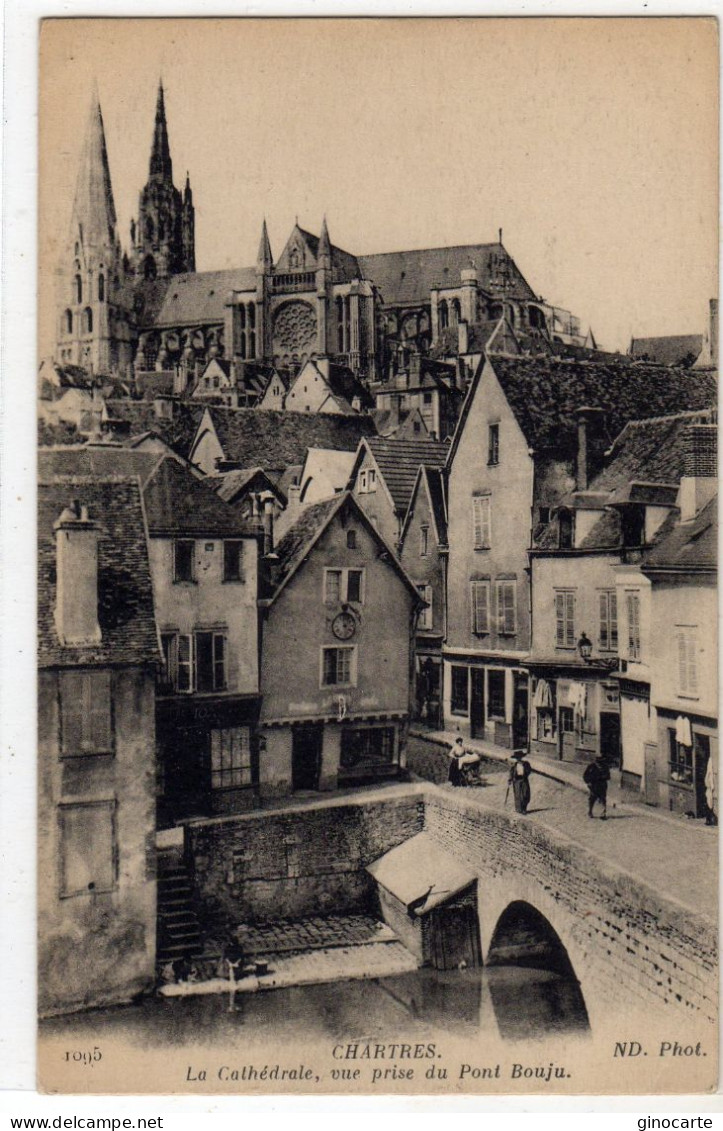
584 647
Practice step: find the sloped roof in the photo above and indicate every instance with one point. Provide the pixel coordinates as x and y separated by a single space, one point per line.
178 432
690 546
158 383
273 440
125 593
179 504
407 277
605 533
544 394
335 465
230 484
99 460
399 461
671 349
419 868
437 493
649 450
195 298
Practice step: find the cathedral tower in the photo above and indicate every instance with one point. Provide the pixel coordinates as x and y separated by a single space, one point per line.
163 239
93 317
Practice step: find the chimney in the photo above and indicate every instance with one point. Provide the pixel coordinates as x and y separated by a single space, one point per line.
589 447
462 337
394 403
713 331
76 588
268 524
699 482
163 408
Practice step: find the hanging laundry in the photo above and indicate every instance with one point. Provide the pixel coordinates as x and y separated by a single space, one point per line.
683 733
543 696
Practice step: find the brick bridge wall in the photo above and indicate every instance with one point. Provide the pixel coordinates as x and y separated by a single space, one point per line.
626 944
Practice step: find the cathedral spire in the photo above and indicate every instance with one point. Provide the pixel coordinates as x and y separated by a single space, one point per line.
161 166
324 251
264 259
94 210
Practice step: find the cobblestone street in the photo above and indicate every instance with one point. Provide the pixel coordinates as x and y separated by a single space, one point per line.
287 936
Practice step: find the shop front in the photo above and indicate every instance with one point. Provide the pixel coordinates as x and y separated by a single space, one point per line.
573 717
688 768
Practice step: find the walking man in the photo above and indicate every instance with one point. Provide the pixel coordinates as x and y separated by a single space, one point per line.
596 778
520 770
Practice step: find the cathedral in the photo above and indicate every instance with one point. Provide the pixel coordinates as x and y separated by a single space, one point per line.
147 309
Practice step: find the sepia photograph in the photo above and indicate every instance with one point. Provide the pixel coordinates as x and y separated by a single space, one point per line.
377 556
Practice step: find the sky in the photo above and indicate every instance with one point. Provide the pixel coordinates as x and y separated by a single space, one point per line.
591 143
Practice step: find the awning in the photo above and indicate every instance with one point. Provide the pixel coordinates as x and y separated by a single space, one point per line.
420 874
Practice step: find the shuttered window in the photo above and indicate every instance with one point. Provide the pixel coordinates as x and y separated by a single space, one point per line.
632 604
86 712
506 608
230 758
565 618
687 661
481 522
87 848
480 608
608 602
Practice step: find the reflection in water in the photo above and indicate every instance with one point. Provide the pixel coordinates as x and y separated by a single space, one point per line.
516 1002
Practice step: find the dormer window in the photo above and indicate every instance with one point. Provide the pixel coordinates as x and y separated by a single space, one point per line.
633 525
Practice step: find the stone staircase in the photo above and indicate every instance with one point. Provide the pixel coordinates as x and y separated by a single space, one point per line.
179 931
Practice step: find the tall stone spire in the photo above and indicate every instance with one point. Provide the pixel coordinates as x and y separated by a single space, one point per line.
264 259
94 210
323 254
161 167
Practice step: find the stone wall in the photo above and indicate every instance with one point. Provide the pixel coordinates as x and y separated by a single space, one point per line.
309 861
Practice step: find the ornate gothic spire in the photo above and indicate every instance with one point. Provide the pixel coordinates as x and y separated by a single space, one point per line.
324 251
94 209
264 258
161 166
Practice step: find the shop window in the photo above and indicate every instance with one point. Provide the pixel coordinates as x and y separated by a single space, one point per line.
86 713
426 615
496 695
608 603
338 667
459 692
506 608
366 747
480 608
230 758
88 850
232 559
482 521
493 444
687 661
681 760
565 618
183 554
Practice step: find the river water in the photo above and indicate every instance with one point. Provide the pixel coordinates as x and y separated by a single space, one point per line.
508 1002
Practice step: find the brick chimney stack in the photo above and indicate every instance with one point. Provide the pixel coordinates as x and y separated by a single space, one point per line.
700 472
589 449
76 604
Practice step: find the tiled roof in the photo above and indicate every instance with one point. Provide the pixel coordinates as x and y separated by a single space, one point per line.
407 277
292 547
686 546
275 440
344 384
178 432
125 594
605 533
178 504
98 460
672 349
195 298
399 461
648 450
230 485
544 394
155 384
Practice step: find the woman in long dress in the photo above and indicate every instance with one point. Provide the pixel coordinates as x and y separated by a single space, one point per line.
520 771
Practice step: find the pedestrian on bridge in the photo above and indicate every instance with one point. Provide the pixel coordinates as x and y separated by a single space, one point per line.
519 779
596 778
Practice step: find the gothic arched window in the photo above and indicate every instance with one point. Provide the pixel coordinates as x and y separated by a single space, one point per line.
252 344
149 228
455 311
101 288
242 317
88 320
78 288
443 315
293 259
252 315
69 322
242 344
340 324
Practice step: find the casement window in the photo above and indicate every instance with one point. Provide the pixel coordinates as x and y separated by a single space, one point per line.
496 695
632 607
86 713
230 758
564 618
480 591
680 760
481 522
493 444
367 480
423 541
365 747
195 661
343 585
426 615
459 691
506 608
687 648
338 666
183 555
232 559
88 850
608 606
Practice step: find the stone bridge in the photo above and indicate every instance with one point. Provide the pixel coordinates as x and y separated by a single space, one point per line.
632 950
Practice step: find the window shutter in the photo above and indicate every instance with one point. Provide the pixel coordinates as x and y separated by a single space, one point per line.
219 661
560 619
480 608
486 522
570 626
477 520
100 694
71 711
682 663
692 666
613 615
604 624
